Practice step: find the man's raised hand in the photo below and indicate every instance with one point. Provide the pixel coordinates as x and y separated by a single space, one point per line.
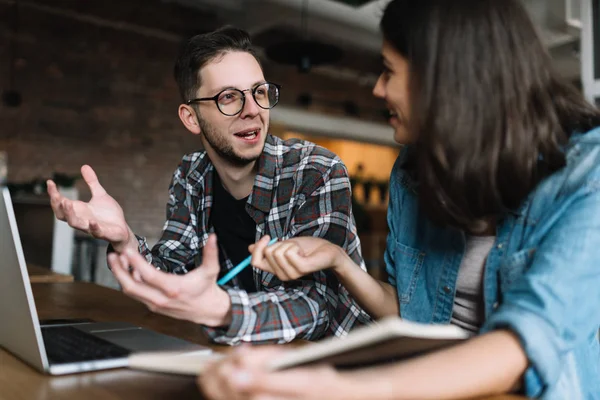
101 217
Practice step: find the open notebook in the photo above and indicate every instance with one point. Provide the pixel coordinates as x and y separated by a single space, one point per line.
387 340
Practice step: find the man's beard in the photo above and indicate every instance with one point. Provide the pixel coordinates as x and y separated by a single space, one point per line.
221 147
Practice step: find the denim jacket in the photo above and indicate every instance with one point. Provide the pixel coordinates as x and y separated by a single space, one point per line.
541 279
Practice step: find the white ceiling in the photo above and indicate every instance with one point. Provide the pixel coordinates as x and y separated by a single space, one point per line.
357 27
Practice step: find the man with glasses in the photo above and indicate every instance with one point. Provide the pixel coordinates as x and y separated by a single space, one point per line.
246 184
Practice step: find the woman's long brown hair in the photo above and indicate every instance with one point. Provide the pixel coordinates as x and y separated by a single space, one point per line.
490 114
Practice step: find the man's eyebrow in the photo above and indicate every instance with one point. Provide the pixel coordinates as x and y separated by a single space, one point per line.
220 89
255 84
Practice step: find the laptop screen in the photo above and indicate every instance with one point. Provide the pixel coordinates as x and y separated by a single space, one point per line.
20 331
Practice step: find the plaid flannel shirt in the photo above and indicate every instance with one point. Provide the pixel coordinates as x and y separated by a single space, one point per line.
301 189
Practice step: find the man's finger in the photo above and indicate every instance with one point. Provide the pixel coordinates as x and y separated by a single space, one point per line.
210 258
92 181
95 229
71 216
52 189
136 276
148 273
131 286
55 199
168 285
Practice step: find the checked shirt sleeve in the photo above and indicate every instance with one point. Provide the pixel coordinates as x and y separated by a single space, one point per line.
317 305
178 245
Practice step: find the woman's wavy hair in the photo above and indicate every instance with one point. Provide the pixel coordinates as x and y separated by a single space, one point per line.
490 115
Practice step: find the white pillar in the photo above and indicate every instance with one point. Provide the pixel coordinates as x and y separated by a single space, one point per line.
591 83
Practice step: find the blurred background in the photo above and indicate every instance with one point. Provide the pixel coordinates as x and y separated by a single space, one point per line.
90 81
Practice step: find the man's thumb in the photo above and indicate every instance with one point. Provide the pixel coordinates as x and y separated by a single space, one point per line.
89 176
210 256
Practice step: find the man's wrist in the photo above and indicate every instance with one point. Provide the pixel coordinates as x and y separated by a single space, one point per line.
130 242
221 310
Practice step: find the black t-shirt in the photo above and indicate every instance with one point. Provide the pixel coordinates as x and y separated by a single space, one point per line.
235 229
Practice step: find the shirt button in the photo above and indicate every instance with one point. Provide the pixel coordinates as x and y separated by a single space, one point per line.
499 246
495 305
447 289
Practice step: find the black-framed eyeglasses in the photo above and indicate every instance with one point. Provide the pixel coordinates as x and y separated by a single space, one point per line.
231 101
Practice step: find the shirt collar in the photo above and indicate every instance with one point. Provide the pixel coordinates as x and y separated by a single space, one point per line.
268 165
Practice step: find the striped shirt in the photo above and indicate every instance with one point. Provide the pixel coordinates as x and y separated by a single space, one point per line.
300 189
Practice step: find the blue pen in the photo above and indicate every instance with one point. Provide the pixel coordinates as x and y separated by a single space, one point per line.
236 270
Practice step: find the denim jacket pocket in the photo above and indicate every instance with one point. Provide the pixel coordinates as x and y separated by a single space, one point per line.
408 262
514 267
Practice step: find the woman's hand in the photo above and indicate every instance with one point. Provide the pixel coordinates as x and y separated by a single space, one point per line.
297 257
245 376
293 258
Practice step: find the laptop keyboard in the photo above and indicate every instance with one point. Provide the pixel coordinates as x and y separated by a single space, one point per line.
65 344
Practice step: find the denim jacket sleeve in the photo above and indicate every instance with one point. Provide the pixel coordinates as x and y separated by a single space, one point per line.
388 255
394 213
554 306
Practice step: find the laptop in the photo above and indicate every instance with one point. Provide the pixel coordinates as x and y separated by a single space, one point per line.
61 347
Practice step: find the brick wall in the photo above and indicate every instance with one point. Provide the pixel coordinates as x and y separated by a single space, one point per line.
104 96
98 96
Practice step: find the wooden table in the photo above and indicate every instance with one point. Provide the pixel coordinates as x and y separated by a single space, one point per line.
39 274
87 300
18 381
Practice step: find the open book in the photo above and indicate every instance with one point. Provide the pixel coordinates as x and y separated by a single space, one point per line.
386 340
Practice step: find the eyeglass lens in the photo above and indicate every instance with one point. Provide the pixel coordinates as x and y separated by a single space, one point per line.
231 101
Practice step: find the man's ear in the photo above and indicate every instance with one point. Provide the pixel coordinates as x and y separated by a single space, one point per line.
187 115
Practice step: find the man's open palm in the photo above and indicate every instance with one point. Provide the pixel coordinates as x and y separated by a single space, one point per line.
101 217
194 296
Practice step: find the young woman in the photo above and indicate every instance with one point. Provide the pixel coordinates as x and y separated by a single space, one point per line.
494 220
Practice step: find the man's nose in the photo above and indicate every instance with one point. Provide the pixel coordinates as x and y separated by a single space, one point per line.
250 108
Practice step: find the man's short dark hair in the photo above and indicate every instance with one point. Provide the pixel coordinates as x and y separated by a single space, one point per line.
201 49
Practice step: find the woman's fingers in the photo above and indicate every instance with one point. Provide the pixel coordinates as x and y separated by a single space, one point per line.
279 259
255 356
216 382
323 257
275 256
258 258
293 258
